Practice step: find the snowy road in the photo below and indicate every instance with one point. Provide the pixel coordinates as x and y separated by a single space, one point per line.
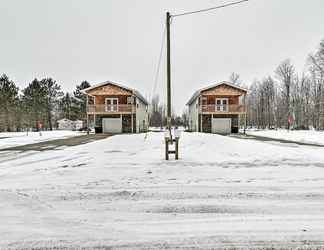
120 192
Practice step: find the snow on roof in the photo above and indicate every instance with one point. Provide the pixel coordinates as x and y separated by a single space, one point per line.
134 91
198 92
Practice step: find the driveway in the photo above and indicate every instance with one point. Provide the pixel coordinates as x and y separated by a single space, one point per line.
59 143
268 139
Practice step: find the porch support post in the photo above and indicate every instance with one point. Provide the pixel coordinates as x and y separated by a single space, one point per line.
88 124
87 115
211 123
132 118
94 115
245 111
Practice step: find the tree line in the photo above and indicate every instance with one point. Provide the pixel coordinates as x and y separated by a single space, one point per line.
42 101
283 100
288 99
158 116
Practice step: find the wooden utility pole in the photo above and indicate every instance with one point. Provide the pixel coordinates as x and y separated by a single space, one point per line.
168 20
168 139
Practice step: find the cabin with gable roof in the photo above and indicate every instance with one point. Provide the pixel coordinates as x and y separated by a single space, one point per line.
217 108
115 108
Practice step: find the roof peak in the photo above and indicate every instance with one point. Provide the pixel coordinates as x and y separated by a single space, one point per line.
134 91
198 92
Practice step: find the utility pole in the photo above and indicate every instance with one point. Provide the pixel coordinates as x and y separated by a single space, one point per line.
168 137
168 20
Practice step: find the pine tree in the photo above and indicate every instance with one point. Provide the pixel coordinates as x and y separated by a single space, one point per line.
65 107
79 101
33 103
52 92
8 100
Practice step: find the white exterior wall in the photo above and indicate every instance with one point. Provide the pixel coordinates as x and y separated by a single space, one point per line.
65 124
78 124
141 115
193 115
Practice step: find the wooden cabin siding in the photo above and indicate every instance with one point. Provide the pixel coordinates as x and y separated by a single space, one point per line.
203 107
223 90
109 89
211 99
131 107
101 99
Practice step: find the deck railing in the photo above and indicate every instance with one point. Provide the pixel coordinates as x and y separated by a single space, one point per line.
232 108
120 108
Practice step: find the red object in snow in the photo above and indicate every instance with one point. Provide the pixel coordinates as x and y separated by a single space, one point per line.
290 119
40 125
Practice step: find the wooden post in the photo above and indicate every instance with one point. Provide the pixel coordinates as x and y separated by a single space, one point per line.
245 111
87 115
167 149
132 125
168 19
177 148
95 110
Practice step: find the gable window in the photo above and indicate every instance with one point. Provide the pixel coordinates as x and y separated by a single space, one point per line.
111 104
130 100
221 104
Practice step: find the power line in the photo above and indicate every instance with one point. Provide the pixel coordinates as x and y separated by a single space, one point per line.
209 9
159 63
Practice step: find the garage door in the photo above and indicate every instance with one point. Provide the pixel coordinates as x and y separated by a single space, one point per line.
112 125
221 125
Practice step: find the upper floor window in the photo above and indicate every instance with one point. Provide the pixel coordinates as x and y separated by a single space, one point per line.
222 104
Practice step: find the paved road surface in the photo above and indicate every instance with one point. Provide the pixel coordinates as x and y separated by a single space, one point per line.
59 143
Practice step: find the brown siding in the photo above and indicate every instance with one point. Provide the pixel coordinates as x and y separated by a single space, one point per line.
211 99
206 123
127 124
224 90
100 99
109 89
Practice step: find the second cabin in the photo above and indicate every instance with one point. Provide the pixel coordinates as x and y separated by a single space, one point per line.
114 108
217 108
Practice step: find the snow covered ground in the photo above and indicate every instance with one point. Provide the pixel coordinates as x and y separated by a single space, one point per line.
120 192
14 139
306 136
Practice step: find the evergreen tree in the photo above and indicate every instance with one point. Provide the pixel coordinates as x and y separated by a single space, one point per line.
79 101
33 103
52 93
8 100
66 106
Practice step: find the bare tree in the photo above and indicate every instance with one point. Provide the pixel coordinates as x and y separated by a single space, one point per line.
285 74
235 78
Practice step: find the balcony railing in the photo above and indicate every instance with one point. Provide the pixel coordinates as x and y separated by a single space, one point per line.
233 108
120 108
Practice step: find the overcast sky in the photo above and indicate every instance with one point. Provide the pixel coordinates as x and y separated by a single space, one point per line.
119 40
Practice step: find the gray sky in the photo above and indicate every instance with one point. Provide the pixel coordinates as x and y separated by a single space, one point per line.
119 40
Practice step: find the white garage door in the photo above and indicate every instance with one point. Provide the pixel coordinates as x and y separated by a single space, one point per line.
221 125
112 125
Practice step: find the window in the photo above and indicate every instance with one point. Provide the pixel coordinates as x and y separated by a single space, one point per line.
129 100
222 104
111 104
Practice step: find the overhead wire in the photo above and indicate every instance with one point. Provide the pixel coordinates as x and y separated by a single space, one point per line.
157 73
156 78
208 9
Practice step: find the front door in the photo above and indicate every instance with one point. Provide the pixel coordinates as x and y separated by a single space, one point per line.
111 104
